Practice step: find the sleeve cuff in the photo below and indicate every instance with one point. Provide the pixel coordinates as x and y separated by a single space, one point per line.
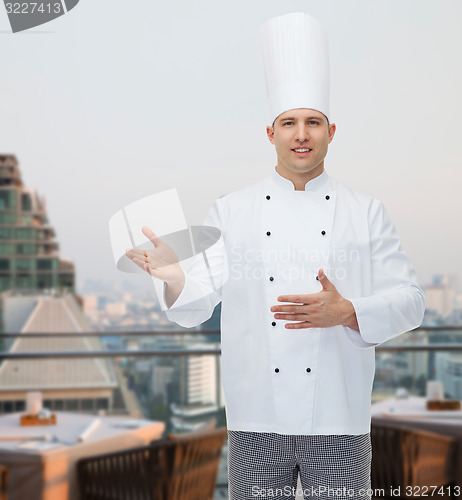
356 339
189 294
372 314
192 292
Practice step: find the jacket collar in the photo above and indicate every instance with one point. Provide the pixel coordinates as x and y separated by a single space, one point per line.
312 185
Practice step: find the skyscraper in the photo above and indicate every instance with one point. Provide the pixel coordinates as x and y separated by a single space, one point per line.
29 254
37 296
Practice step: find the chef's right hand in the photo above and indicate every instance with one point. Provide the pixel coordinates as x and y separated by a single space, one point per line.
160 262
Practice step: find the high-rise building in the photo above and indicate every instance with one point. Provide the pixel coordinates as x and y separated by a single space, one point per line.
441 294
29 253
200 395
37 296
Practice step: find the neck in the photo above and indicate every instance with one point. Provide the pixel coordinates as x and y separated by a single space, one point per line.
299 179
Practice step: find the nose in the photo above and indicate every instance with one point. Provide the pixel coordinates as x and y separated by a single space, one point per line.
301 133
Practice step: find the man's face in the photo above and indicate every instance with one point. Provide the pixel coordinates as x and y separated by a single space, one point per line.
301 137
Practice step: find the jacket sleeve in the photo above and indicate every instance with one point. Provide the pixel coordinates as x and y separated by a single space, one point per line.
397 303
205 275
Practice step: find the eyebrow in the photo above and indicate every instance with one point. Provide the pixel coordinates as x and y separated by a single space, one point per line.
308 118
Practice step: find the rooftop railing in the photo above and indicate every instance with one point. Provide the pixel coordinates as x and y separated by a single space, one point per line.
403 344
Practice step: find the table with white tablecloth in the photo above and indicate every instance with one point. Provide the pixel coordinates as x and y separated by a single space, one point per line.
411 412
42 459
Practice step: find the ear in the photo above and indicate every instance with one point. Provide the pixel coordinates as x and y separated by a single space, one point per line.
270 133
332 129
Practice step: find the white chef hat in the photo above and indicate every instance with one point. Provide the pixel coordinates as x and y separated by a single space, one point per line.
296 63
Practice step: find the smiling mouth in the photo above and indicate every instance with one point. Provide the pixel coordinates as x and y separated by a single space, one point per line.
301 150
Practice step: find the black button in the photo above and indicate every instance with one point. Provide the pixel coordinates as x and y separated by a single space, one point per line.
274 323
268 196
268 233
327 197
317 277
271 278
308 370
276 370
323 233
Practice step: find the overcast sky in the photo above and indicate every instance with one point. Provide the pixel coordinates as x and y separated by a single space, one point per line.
117 100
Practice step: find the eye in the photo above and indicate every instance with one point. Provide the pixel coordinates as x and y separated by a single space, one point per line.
313 122
287 123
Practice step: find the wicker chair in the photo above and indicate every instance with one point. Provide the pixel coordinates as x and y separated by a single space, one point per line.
184 468
407 458
193 465
4 479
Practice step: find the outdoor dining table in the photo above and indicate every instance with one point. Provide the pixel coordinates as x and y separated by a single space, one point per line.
411 412
43 459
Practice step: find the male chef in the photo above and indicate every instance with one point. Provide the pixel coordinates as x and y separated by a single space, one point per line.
312 276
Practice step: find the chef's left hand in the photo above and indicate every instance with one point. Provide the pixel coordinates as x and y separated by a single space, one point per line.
317 310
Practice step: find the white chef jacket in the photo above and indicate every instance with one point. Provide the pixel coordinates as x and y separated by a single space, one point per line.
274 241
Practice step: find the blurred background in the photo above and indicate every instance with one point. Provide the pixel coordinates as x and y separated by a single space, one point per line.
119 100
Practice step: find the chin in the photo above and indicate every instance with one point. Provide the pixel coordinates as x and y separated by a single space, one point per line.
303 170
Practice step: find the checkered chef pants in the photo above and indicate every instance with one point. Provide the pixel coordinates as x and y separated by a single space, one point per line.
266 465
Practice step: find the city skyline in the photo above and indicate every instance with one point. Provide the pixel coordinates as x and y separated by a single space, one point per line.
101 120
